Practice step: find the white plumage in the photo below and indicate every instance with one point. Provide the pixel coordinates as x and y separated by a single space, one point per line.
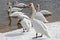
25 22
40 17
16 14
20 15
14 9
37 15
44 12
20 5
16 3
40 27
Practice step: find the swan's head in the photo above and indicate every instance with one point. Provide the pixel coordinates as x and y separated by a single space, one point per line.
38 5
31 5
9 3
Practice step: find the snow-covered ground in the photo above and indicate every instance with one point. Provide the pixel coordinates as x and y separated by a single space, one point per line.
53 29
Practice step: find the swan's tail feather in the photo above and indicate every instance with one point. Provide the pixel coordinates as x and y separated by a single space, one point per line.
47 34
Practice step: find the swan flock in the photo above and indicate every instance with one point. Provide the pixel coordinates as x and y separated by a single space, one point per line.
36 21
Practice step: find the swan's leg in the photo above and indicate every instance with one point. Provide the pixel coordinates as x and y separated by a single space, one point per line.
23 30
9 18
36 35
9 21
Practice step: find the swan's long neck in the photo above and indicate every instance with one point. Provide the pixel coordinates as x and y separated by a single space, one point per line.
38 7
33 11
9 8
16 2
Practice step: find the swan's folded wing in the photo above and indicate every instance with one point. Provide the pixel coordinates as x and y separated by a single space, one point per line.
38 26
45 12
40 16
14 9
26 23
16 14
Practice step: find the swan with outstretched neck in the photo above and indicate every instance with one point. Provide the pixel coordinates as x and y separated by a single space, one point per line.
38 25
37 15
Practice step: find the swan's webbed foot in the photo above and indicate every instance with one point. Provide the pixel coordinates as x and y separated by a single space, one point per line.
37 36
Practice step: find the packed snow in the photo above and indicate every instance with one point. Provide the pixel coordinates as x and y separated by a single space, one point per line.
53 29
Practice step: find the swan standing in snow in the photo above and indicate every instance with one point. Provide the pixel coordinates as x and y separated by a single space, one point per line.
44 12
24 20
37 15
38 25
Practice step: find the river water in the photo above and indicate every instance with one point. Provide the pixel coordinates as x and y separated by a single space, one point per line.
51 5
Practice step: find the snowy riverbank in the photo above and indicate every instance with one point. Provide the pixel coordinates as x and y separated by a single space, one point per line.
53 29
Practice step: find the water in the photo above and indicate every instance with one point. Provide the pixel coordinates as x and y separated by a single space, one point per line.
51 5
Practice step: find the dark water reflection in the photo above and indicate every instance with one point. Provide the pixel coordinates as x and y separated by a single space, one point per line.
51 5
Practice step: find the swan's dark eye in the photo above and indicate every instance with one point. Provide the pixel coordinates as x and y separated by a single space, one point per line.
37 5
29 4
9 7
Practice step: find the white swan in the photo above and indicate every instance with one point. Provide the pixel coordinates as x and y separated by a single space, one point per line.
37 15
25 22
10 10
18 8
44 12
13 9
38 25
15 15
17 4
20 5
